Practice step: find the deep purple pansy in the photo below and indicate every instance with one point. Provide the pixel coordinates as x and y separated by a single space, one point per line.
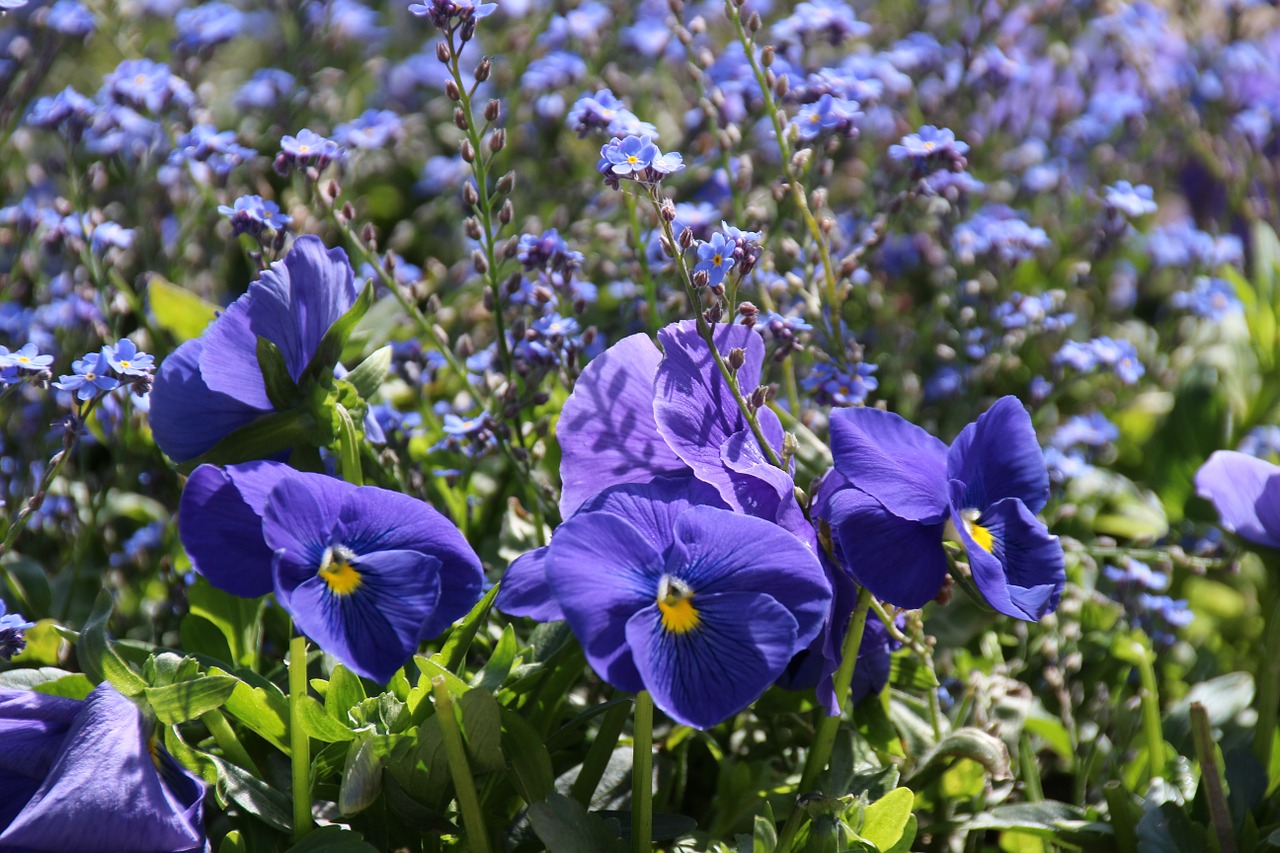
1246 492
366 573
211 386
87 777
669 592
637 413
895 491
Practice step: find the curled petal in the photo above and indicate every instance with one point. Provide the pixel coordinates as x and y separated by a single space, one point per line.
1246 492
525 590
998 456
187 416
893 461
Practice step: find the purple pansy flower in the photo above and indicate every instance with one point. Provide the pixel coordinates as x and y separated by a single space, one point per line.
895 491
1246 492
366 573
211 386
86 776
665 594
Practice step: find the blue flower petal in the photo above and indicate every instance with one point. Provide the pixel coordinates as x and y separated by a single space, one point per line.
188 417
220 524
32 729
718 551
525 591
104 794
653 507
998 456
893 460
374 629
1023 574
378 519
300 516
700 678
1246 492
603 570
607 432
900 561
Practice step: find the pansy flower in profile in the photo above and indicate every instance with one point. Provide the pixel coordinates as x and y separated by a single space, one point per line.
1246 492
213 385
366 573
670 592
895 491
88 776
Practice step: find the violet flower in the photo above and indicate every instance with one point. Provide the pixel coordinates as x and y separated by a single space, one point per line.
366 573
1246 492
86 777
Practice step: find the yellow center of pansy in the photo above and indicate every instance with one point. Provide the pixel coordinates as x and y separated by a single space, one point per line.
337 571
679 616
980 535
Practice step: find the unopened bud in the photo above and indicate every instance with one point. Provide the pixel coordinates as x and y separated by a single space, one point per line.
479 262
465 348
498 140
790 445
737 358
348 211
505 212
487 299
451 89
767 55
514 281
668 210
759 397
507 183
667 249
460 118
753 23
686 238
442 52
432 305
467 151
369 235
781 87
331 190
469 194
511 248
471 226
492 110
483 69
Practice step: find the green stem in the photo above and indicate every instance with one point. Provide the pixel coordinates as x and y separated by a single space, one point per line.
650 287
593 766
1268 701
1151 713
227 741
642 775
464 785
787 837
825 738
299 742
1211 776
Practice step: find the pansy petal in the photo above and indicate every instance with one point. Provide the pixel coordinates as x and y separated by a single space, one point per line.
229 358
379 519
893 460
718 551
900 561
607 432
104 793
1246 492
702 677
603 570
301 514
998 456
761 488
814 666
373 629
297 299
32 727
525 591
220 524
1023 574
653 507
694 407
188 417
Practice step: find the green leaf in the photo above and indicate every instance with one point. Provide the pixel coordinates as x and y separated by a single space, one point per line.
180 312
367 377
267 436
531 769
237 618
454 651
1223 699
187 700
566 827
349 445
907 673
319 725
481 719
96 656
329 352
764 834
28 585
361 777
44 644
907 841
282 391
1042 819
500 662
344 692
261 712
885 820
73 686
233 842
201 637
254 796
332 839
28 679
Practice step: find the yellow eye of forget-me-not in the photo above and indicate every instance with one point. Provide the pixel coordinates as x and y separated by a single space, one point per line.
336 570
679 616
